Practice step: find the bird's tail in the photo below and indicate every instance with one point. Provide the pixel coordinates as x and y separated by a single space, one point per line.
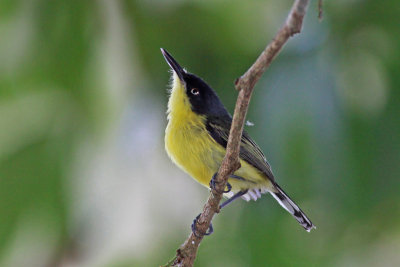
288 204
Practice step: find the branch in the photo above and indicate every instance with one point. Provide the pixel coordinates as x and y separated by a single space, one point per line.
186 254
320 10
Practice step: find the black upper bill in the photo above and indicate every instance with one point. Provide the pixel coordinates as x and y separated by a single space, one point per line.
173 64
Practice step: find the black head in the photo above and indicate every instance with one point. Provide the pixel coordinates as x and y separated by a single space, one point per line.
202 97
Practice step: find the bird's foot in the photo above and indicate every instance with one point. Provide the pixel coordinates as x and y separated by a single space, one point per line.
194 230
213 182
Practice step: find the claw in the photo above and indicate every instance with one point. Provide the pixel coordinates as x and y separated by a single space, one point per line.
229 188
212 184
212 181
194 230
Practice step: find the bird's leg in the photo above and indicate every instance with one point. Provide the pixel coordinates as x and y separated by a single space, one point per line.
194 230
237 177
212 184
235 196
210 228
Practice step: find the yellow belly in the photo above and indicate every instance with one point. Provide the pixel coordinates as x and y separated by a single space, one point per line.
192 149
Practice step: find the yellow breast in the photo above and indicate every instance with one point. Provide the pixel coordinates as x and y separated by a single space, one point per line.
187 141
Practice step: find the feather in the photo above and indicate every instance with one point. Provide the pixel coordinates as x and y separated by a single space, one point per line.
218 128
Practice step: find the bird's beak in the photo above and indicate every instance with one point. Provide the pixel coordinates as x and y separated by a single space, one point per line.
173 64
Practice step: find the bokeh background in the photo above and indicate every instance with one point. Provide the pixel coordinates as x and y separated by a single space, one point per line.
85 180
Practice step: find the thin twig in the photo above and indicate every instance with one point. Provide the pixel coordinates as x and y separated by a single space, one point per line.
320 10
186 254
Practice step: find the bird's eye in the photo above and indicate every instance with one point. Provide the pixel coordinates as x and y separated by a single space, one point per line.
195 91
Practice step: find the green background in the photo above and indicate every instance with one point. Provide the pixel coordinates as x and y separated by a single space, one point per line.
85 180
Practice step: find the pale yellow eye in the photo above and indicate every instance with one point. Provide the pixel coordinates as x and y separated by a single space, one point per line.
195 91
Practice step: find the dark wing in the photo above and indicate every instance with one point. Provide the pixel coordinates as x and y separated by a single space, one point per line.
218 128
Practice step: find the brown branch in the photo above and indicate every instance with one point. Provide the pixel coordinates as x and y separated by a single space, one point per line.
320 10
186 254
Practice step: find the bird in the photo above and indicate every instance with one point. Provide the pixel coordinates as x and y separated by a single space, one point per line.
196 137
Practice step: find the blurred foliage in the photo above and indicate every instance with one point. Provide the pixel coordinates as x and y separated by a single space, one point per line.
82 90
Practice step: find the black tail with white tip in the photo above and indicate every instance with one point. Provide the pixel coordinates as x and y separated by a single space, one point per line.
288 204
